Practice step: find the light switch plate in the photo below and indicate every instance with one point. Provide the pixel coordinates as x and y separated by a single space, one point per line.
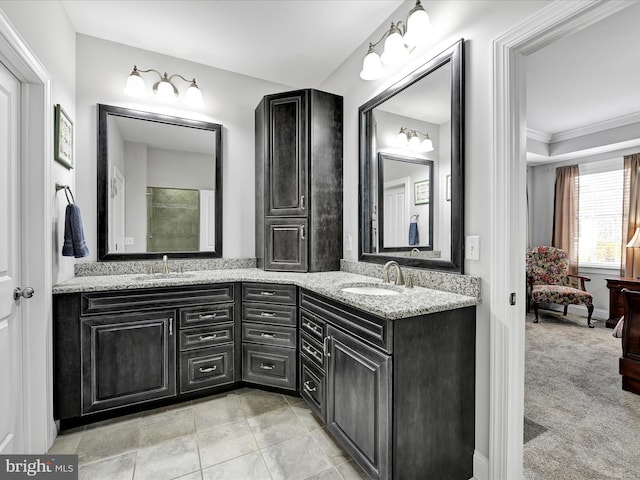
348 244
128 240
472 247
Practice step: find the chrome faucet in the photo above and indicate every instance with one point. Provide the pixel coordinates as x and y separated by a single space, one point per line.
165 264
414 250
385 272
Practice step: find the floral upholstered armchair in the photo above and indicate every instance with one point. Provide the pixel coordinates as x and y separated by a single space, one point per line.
548 281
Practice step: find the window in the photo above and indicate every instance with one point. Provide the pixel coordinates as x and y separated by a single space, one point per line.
600 215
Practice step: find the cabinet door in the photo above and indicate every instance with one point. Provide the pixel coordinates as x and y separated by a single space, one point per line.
127 359
286 169
359 401
286 245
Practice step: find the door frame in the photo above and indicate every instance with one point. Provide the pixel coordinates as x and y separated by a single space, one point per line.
508 206
36 147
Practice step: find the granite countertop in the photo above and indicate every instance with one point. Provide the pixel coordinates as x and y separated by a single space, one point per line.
407 303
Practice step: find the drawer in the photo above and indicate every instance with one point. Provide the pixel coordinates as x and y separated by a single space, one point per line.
269 334
206 368
205 315
269 292
152 298
312 325
312 350
370 328
269 313
267 365
206 336
312 387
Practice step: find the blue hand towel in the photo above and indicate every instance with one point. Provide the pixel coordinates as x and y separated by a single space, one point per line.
414 236
74 243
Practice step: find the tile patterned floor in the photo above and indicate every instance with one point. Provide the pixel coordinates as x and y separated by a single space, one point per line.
242 435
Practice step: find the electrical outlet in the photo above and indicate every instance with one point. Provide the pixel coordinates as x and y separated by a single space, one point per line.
348 244
472 248
128 240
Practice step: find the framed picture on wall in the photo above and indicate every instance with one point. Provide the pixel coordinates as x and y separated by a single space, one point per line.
447 188
63 138
421 192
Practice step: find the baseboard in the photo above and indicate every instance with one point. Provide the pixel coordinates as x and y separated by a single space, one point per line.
480 466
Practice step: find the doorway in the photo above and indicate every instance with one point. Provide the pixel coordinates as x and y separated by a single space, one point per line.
508 248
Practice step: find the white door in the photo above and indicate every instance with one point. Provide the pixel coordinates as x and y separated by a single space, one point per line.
207 223
116 211
11 395
396 220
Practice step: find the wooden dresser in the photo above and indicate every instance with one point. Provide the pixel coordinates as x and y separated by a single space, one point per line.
616 301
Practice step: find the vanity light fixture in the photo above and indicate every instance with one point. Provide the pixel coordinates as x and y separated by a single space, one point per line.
163 88
401 38
411 138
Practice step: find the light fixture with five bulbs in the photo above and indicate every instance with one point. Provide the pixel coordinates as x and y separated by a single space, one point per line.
411 138
163 88
401 38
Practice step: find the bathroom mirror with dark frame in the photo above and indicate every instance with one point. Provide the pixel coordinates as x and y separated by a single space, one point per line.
430 101
159 186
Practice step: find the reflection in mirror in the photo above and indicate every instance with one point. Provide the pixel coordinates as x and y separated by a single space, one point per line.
159 187
405 196
411 162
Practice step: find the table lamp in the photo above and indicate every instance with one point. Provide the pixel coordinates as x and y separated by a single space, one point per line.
635 242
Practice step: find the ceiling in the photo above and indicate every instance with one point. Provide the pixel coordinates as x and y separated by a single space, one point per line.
586 86
573 85
295 43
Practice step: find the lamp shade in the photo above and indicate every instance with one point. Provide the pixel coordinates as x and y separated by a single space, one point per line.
418 25
371 66
414 143
165 90
193 96
401 138
427 144
635 240
135 85
394 49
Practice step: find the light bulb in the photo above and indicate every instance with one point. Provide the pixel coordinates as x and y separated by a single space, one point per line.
418 25
193 96
427 144
394 49
371 66
135 85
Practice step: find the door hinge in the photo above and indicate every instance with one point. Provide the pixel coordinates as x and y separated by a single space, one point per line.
512 298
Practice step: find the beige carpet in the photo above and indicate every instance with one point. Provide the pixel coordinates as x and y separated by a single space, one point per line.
579 423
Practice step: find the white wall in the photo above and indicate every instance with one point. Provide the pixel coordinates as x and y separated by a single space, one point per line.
479 22
44 26
230 99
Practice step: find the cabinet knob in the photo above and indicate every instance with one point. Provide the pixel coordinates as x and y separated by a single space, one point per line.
207 370
171 326
267 366
204 338
308 387
302 235
207 317
268 335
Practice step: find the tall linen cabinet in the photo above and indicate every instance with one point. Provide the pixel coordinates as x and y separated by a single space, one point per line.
299 181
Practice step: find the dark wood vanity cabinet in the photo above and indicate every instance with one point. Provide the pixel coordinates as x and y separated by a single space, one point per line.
122 348
398 395
299 181
269 335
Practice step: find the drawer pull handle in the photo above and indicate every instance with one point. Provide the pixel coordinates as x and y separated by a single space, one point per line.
171 326
313 327
207 317
207 370
267 314
204 338
268 294
310 350
267 366
268 335
308 387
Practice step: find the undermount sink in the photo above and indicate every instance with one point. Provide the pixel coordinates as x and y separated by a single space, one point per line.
162 276
370 290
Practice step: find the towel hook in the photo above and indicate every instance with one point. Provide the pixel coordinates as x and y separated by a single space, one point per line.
411 219
67 192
